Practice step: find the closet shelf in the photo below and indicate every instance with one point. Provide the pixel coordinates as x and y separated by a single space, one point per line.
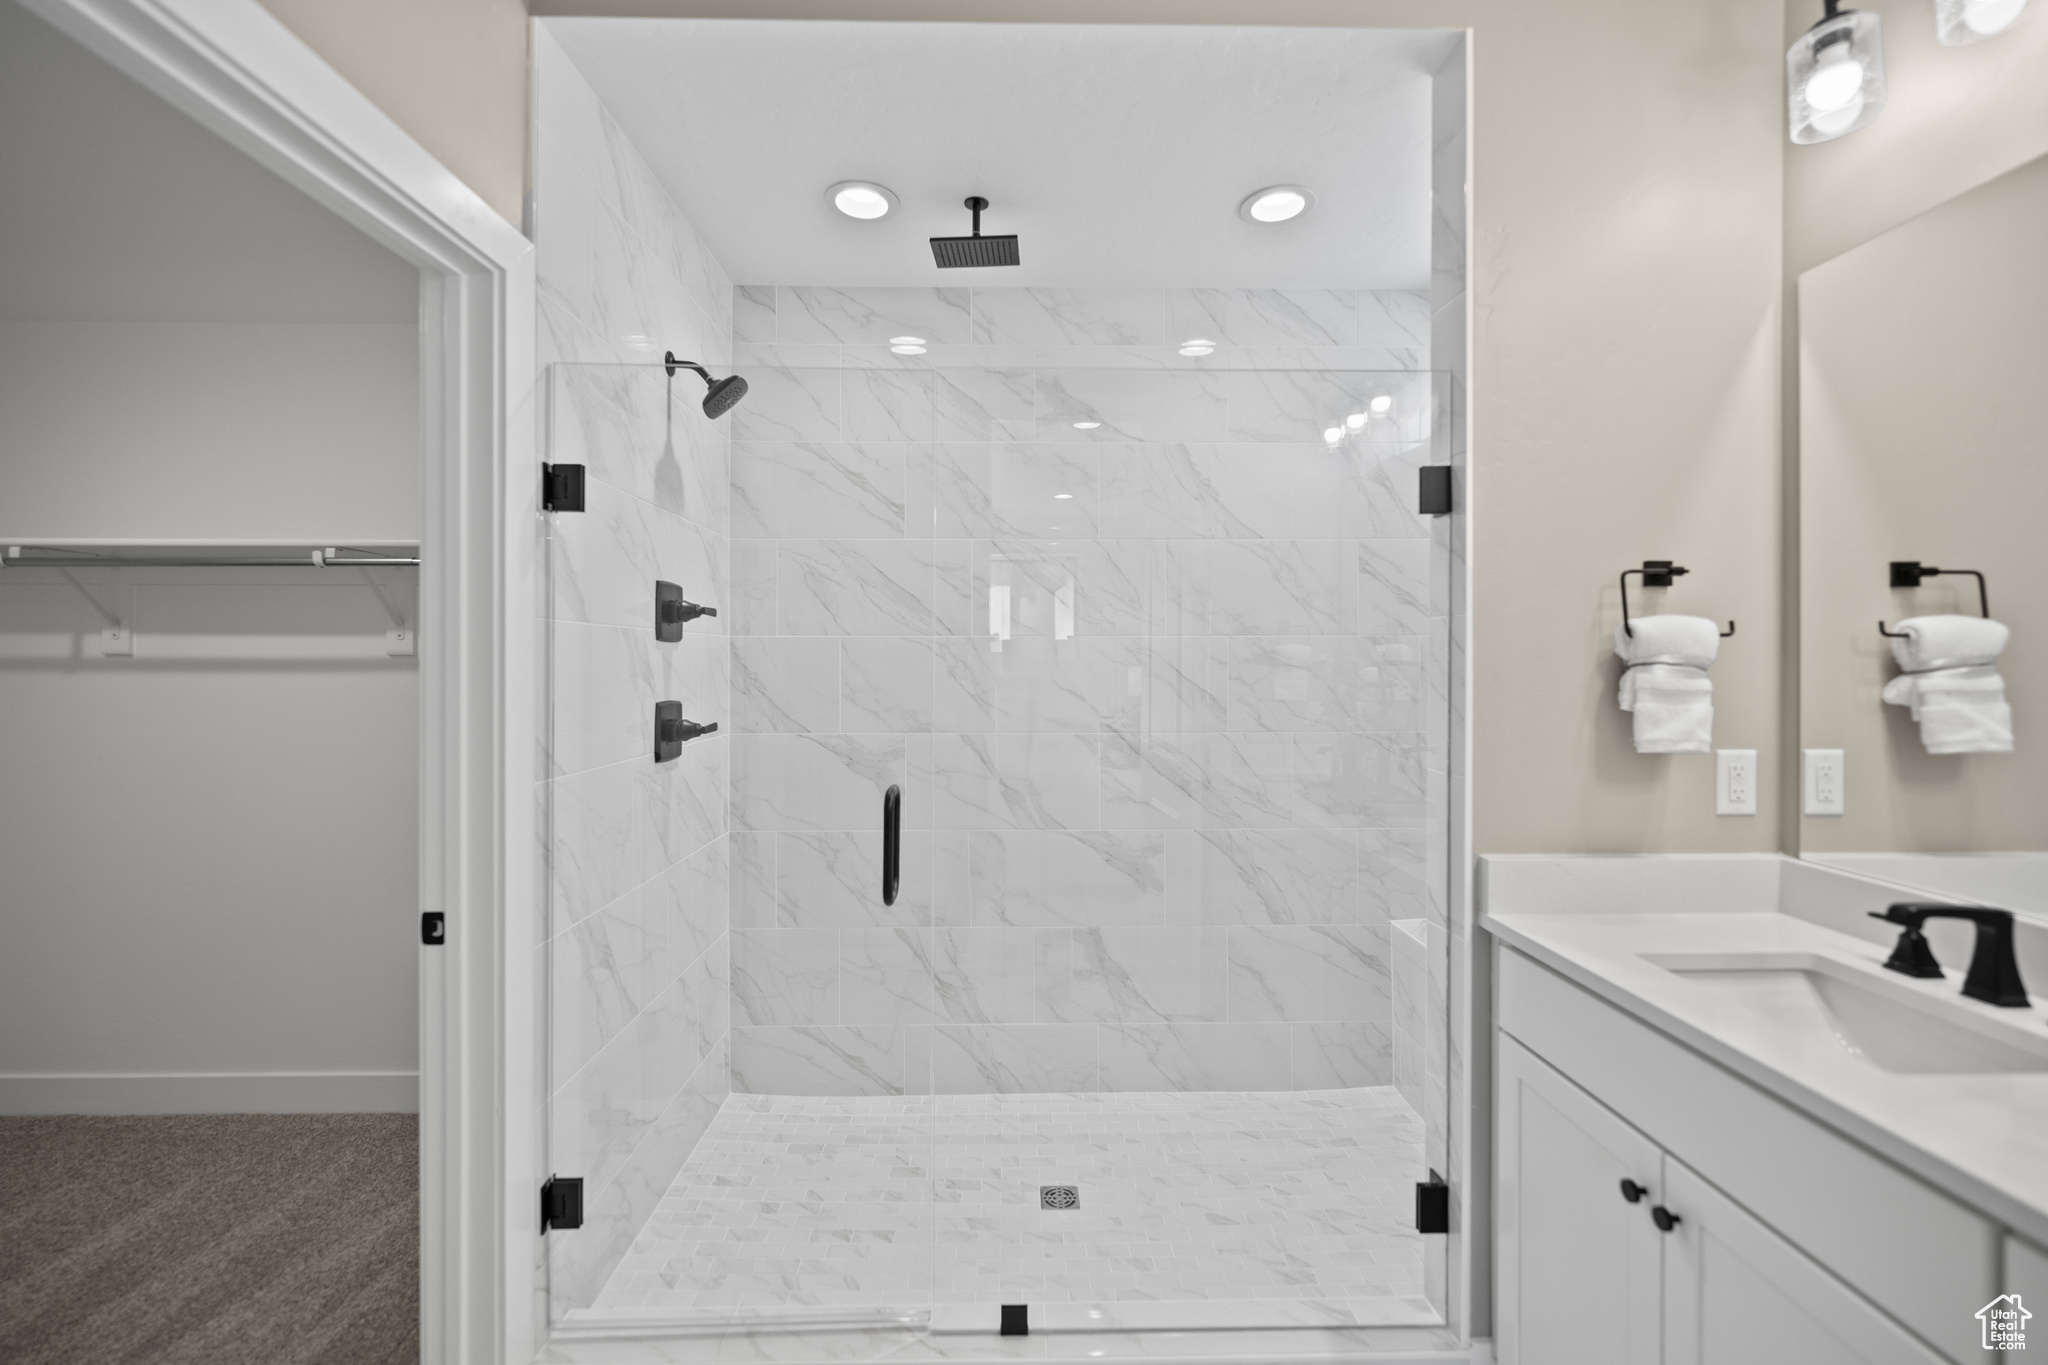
61 553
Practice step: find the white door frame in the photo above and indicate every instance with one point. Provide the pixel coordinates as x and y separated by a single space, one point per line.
241 73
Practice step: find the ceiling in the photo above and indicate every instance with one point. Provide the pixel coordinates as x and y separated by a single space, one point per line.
1119 153
118 207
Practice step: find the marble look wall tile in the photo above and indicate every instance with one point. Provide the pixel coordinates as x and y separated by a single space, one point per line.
687 909
817 489
682 802
786 683
983 403
593 840
1361 489
1192 1056
1020 1059
823 782
984 975
788 404
1017 781
1293 587
1132 975
1042 489
1155 781
963 684
1188 683
1233 491
831 1060
604 689
785 976
1309 972
886 977
1266 317
833 880
1313 780
1279 876
1072 317
1090 878
855 587
1325 682
753 600
753 312
752 903
1394 587
1391 871
885 683
598 982
1340 1056
1135 405
1390 317
872 315
1077 684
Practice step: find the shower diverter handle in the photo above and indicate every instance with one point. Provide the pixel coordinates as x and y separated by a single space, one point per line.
676 611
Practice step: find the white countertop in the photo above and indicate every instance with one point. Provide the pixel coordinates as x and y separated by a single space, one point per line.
1982 1138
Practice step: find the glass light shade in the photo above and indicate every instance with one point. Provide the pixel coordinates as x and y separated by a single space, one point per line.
1972 21
1834 76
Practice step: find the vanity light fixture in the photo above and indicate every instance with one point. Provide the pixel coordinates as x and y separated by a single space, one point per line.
1086 426
1275 204
1972 21
1198 346
861 198
1356 421
907 345
1382 403
1333 434
1834 75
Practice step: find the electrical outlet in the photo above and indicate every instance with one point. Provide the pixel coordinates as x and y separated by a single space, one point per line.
1825 782
1735 782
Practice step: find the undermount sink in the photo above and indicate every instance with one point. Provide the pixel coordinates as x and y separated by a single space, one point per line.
1891 1025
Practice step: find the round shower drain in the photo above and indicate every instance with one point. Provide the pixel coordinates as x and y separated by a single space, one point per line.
1059 1197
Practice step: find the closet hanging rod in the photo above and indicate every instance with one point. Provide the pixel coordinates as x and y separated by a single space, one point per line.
257 555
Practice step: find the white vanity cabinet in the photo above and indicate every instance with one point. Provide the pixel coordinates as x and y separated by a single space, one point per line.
1786 1242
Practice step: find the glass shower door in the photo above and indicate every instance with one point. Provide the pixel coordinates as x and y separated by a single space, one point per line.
719 1189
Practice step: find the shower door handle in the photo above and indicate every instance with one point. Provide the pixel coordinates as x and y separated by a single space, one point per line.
892 841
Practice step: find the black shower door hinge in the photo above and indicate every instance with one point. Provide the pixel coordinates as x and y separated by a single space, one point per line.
1433 490
561 487
561 1202
1432 1204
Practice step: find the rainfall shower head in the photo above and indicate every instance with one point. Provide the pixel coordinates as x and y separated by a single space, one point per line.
951 252
721 397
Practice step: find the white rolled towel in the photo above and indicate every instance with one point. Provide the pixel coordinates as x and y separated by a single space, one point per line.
1691 641
1932 642
1960 710
1665 686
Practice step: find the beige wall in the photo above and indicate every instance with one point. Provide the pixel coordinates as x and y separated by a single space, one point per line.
452 73
1924 435
1625 370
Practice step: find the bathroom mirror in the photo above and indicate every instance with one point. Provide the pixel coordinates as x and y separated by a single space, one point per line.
1923 436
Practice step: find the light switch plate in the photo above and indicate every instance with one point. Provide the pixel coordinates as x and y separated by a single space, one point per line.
1735 782
1825 782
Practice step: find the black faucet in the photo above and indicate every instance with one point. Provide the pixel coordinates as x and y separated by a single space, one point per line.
1994 975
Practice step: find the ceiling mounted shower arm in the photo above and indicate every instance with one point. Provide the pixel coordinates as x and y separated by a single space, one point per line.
976 204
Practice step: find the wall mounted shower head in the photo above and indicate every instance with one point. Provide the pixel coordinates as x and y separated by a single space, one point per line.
722 395
951 252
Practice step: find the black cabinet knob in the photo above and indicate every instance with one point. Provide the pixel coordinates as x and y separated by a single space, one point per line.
1664 1218
1633 1192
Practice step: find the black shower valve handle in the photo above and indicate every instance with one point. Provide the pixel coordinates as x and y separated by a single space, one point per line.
682 731
677 612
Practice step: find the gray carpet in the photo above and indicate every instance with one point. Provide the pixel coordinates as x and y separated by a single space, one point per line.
227 1239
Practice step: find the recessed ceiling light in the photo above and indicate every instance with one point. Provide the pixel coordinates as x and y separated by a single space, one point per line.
861 198
1333 434
1198 346
1356 421
1275 204
1382 403
1086 426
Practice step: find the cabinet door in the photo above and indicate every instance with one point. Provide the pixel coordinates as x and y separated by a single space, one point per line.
1736 1293
1579 1264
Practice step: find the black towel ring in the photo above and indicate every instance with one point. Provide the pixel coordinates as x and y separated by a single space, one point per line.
1907 573
1657 573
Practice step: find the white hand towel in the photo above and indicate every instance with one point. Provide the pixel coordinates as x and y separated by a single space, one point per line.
1960 710
1948 642
1673 705
1691 641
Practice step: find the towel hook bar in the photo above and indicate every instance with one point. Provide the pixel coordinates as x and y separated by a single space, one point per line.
1907 573
1656 573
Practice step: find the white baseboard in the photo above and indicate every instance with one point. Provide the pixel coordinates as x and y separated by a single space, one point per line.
213 1092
